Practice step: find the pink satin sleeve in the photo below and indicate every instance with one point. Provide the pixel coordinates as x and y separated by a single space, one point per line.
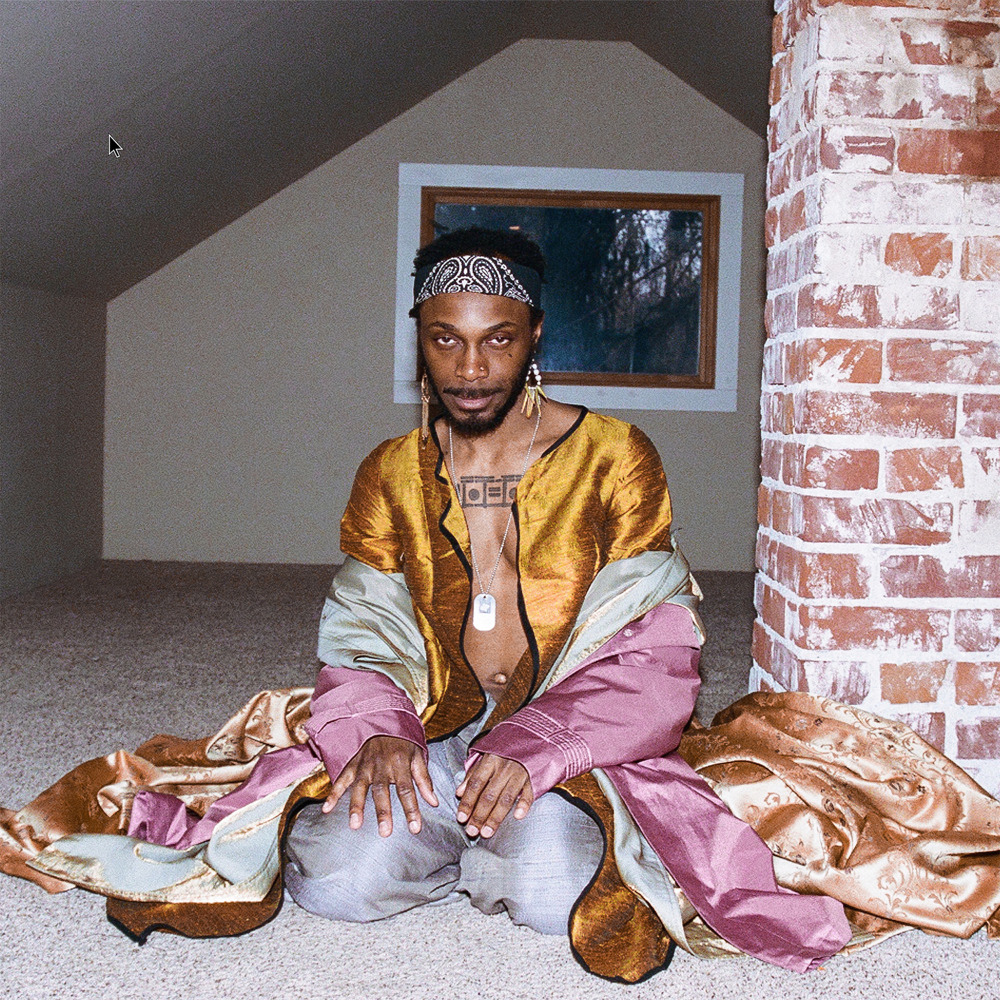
624 710
348 707
351 706
628 701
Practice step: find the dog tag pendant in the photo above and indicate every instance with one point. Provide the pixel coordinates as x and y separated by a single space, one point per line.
484 612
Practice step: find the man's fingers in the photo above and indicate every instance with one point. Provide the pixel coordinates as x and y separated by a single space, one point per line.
359 792
422 779
344 781
494 803
524 804
476 780
383 808
411 807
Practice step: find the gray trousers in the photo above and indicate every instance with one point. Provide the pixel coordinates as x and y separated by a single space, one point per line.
534 868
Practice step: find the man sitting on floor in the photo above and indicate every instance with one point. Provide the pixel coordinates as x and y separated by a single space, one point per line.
513 618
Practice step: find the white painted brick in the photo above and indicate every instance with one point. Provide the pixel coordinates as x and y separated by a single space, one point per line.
982 204
980 308
847 257
858 35
853 198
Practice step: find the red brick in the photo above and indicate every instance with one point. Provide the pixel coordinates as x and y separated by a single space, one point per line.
973 362
835 360
780 76
771 226
826 575
977 630
805 157
844 627
891 414
917 469
979 740
930 727
878 522
783 313
786 668
792 215
778 44
917 307
903 683
846 681
982 416
764 506
782 504
774 363
838 469
977 683
779 171
771 607
925 576
844 148
949 43
944 151
770 459
924 254
981 256
838 306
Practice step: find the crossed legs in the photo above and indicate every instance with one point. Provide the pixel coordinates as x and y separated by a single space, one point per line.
534 868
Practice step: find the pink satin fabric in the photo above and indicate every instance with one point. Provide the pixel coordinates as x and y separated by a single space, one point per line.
623 709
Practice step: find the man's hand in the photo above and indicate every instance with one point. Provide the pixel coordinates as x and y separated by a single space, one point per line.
381 762
491 787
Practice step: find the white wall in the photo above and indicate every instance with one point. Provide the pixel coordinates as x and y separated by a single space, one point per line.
51 420
249 377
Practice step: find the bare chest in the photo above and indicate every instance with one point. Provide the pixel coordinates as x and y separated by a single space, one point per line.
494 640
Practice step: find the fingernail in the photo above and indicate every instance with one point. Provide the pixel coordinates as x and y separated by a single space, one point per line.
462 816
383 829
471 831
487 831
414 826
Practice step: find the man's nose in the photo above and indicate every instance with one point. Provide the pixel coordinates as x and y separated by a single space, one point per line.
471 366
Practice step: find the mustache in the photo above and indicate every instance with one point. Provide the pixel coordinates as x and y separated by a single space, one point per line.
463 393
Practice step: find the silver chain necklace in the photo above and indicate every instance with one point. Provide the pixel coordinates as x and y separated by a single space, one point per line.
484 605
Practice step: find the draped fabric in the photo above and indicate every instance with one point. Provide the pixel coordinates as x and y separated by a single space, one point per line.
852 807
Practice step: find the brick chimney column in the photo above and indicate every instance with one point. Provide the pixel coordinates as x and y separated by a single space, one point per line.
879 540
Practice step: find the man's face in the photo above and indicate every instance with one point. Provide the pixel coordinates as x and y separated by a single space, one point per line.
476 349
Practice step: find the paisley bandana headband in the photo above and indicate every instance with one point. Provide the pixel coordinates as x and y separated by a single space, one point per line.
485 275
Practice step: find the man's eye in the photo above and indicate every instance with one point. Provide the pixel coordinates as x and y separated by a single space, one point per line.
501 339
444 340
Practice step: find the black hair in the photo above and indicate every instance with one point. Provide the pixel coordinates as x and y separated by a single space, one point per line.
506 244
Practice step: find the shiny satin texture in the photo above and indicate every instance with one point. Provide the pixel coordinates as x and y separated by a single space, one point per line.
404 517
853 806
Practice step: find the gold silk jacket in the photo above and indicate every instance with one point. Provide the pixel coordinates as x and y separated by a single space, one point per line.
597 495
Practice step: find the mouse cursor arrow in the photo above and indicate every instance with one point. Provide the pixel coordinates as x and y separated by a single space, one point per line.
113 147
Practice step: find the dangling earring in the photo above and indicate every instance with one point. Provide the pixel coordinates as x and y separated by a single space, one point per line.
533 391
425 409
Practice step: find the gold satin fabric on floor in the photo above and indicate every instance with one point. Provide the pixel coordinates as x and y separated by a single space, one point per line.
851 805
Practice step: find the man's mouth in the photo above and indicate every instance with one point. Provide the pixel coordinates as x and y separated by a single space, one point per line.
471 400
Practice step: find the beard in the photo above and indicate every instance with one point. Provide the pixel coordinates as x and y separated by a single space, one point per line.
476 424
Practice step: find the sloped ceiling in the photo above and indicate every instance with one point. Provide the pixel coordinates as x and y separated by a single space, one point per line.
219 105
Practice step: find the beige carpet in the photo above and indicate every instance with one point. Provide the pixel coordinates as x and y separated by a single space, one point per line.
107 657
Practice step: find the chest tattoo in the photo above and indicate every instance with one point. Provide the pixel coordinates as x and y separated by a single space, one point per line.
487 491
